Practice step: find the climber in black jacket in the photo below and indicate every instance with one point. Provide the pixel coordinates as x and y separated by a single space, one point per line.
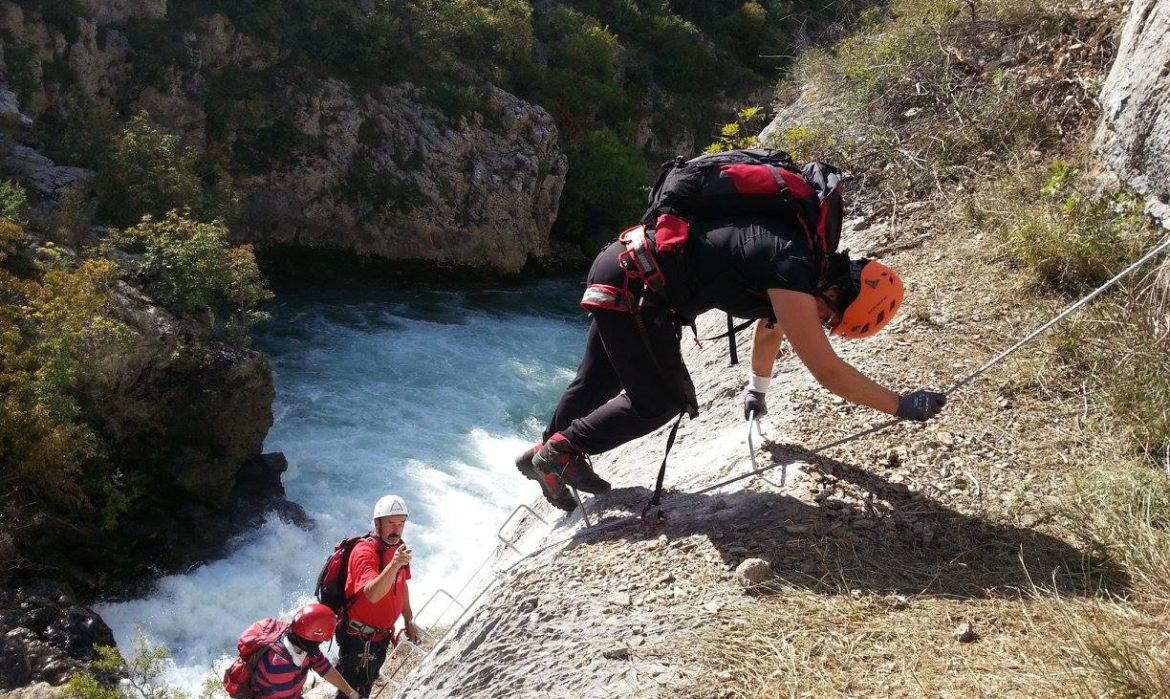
632 379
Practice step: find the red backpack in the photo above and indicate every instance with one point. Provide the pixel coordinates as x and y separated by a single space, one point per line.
257 638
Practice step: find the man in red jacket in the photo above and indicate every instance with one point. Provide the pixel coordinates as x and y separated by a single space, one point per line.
379 567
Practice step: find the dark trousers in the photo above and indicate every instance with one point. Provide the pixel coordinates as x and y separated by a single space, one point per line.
594 413
359 674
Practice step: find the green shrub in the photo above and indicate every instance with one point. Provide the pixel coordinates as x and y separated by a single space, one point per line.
740 133
13 202
1074 239
457 100
151 173
593 51
21 63
807 143
52 320
79 132
604 190
277 144
689 66
142 675
753 37
190 269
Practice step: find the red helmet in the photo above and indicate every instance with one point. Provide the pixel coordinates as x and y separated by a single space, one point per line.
879 294
314 622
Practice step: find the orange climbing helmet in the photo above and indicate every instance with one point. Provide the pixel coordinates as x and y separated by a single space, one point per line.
876 292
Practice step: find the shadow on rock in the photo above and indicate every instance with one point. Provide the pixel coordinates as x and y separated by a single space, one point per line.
855 531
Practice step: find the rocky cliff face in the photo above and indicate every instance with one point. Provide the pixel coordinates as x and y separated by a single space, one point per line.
375 171
45 637
187 420
401 180
1134 137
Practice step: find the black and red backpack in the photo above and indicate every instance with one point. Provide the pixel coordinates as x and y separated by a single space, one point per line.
751 181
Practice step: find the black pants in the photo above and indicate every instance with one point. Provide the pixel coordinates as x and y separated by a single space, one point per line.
349 664
594 413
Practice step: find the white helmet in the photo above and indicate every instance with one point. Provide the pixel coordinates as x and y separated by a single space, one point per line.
390 505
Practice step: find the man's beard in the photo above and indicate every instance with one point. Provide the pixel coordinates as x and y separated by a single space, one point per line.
391 539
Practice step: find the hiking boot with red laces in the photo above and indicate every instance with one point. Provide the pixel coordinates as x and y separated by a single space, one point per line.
559 457
554 490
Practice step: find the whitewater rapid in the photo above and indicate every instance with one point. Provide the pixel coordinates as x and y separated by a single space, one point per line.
427 394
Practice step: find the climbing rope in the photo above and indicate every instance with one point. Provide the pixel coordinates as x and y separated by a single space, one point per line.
958 385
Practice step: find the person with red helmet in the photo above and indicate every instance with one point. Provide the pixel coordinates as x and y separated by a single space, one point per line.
378 569
632 379
282 668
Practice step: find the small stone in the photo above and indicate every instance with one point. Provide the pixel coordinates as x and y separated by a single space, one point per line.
621 599
862 524
616 653
713 606
752 572
965 632
795 528
666 579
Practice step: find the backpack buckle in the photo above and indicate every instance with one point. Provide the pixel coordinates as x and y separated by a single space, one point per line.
638 258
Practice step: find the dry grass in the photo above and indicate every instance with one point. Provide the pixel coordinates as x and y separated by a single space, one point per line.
802 644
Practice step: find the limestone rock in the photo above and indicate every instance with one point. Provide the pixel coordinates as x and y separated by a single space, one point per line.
99 64
217 45
752 572
40 690
119 11
1134 135
399 179
10 114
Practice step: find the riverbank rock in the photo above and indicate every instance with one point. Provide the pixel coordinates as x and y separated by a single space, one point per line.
396 178
45 637
186 417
